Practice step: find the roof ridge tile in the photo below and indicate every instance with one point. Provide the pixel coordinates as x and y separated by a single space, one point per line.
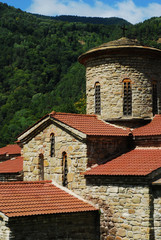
73 114
26 182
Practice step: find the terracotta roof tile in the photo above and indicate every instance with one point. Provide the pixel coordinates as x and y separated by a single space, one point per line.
36 198
140 162
90 124
13 165
150 129
10 149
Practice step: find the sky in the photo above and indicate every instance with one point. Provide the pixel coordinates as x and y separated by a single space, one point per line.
134 11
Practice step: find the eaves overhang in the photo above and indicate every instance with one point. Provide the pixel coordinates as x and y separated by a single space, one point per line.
72 131
31 132
102 52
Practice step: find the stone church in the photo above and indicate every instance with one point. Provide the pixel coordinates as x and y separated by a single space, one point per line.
111 156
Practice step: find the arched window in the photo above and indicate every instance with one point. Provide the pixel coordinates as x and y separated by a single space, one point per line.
154 97
41 166
52 145
127 99
64 169
97 98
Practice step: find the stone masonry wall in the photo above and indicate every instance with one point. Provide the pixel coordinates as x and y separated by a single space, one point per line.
64 142
101 149
125 209
4 229
157 212
97 150
72 226
110 72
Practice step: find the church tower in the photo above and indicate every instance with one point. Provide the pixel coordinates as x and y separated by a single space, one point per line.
123 82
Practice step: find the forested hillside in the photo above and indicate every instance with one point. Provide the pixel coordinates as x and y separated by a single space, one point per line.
93 20
39 71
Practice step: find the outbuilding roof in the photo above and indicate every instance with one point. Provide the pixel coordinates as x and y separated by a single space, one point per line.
90 124
138 162
13 165
11 149
37 198
150 129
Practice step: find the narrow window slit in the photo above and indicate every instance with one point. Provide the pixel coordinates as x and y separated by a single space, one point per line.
97 99
127 99
52 145
154 98
64 170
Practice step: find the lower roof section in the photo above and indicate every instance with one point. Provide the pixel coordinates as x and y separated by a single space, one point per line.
11 149
38 198
138 162
13 165
151 129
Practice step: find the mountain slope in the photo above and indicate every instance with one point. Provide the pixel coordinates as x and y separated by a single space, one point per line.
38 64
92 20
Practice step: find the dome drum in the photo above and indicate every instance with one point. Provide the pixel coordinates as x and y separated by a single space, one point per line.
129 79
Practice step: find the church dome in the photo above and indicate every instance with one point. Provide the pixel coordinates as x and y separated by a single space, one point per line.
121 42
123 80
120 46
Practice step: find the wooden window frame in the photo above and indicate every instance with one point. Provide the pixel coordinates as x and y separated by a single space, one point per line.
97 98
41 167
154 98
64 170
127 98
52 145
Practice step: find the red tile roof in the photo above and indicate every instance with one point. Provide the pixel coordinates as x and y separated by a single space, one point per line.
90 124
150 129
13 165
10 149
36 198
139 162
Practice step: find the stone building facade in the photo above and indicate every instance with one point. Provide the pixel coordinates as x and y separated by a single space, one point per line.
64 143
125 193
112 158
82 151
125 208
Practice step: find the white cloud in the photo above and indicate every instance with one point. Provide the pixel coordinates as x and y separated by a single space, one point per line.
153 10
123 8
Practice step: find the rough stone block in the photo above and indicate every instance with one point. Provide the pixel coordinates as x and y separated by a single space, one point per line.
70 177
137 236
136 200
57 170
131 211
121 232
46 163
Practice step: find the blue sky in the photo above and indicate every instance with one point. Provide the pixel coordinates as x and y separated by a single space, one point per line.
132 10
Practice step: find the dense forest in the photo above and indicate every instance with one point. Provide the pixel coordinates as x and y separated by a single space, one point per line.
39 71
93 20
